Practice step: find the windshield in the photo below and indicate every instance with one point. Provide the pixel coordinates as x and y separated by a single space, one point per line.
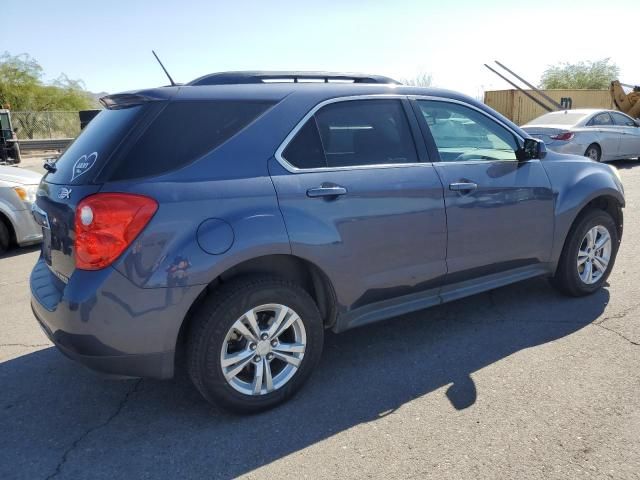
4 121
558 118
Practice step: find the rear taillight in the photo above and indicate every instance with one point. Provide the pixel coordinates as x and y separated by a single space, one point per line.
563 136
106 224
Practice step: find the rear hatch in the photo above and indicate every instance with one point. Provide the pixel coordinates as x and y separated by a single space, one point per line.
73 177
138 136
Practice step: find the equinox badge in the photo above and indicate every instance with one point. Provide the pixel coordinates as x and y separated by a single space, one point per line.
64 193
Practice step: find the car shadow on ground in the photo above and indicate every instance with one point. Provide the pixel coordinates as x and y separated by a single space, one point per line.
626 164
17 251
57 417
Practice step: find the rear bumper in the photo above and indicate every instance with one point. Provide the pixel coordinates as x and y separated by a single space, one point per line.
156 365
103 321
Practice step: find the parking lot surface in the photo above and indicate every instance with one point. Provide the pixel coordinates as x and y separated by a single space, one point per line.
520 382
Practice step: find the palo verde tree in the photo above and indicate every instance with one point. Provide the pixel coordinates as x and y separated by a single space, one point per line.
581 75
22 88
420 80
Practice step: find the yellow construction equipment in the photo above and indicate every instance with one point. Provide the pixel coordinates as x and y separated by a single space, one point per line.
628 103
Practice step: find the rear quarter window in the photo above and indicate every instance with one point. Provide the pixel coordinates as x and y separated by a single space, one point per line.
181 133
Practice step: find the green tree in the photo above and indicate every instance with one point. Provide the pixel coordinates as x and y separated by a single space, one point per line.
420 80
22 88
581 75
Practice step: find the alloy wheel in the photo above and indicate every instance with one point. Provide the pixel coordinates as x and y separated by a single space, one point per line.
593 154
263 349
594 254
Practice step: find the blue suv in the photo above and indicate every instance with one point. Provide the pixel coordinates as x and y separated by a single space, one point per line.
237 217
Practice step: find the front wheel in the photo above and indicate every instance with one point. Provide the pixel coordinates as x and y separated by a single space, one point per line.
253 343
588 254
5 237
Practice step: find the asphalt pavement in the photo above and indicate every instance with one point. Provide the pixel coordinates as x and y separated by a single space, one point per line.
520 382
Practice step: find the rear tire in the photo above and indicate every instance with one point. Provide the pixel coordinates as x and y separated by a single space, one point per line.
572 277
216 335
594 152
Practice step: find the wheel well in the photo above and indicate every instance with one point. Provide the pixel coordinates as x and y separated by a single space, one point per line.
609 204
12 234
288 267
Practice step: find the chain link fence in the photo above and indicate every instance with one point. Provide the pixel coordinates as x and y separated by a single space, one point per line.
45 125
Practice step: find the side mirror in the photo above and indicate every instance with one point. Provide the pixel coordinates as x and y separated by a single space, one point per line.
533 149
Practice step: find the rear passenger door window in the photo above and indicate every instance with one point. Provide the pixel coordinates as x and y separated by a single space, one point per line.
600 120
354 134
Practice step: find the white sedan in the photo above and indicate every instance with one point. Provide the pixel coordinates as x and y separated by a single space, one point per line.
598 134
17 193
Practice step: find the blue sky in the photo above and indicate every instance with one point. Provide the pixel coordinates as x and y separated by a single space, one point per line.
108 44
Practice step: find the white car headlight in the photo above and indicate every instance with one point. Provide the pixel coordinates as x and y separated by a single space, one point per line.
27 193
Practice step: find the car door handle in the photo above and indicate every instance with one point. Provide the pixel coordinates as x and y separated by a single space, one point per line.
326 191
462 186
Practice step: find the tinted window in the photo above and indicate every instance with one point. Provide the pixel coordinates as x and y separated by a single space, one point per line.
601 119
622 120
100 137
305 150
463 134
365 132
183 132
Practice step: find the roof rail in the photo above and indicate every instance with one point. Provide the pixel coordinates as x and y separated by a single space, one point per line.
231 78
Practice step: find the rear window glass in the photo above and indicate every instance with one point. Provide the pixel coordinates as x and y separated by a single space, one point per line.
558 118
81 161
183 132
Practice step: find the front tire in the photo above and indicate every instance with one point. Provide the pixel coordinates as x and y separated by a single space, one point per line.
253 343
5 237
588 255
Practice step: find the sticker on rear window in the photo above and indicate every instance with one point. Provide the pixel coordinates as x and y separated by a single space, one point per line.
83 165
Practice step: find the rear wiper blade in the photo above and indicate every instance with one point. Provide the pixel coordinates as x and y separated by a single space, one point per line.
50 165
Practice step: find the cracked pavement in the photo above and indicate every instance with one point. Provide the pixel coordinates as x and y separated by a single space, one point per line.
519 382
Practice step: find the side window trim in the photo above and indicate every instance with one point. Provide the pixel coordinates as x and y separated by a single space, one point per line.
431 144
432 148
424 155
402 98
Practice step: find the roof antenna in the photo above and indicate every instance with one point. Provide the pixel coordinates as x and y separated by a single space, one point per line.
173 84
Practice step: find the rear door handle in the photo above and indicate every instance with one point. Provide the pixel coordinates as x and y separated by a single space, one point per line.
326 191
462 186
